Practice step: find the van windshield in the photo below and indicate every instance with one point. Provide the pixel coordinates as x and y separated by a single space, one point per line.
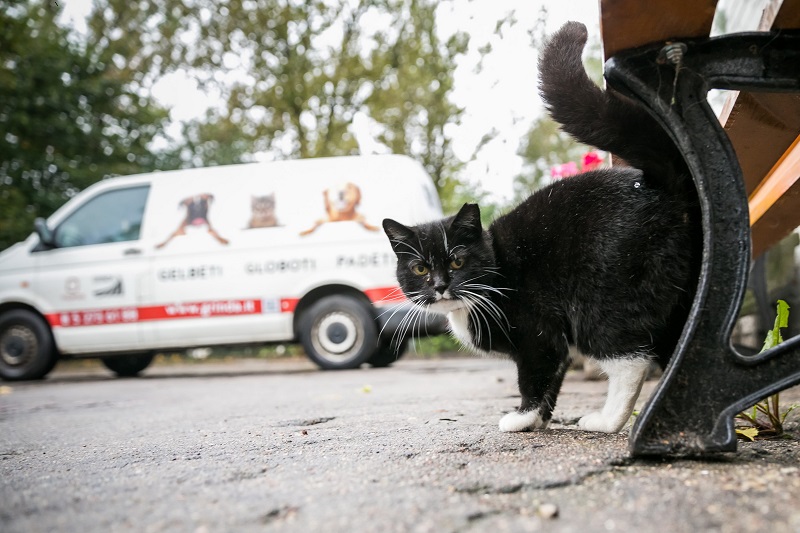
113 216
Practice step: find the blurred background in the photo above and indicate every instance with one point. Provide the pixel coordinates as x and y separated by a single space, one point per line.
92 89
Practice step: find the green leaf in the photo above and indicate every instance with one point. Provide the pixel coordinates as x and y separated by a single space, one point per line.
781 321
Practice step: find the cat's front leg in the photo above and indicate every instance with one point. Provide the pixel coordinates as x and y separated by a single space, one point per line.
523 421
539 380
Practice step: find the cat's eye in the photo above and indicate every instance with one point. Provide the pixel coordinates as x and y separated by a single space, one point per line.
419 269
456 263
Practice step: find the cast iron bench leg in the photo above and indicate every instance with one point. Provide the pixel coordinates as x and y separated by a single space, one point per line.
707 382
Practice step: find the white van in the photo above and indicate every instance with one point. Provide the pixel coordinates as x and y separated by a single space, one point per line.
254 253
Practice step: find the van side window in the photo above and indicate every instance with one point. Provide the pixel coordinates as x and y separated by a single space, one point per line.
113 216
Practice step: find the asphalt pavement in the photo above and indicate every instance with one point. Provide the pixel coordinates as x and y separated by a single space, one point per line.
276 445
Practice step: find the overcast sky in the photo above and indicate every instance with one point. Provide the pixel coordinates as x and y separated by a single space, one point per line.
502 97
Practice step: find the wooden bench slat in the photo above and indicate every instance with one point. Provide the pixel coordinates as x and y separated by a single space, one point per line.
772 218
778 222
788 16
761 127
779 180
631 23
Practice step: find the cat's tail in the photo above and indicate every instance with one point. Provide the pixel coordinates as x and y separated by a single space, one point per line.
603 119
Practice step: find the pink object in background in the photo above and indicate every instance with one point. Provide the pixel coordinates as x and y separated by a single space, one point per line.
591 161
563 170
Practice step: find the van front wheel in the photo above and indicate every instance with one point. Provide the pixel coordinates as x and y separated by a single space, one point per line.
27 350
338 332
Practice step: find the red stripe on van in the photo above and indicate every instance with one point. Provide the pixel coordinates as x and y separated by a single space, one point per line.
126 315
385 295
288 305
234 307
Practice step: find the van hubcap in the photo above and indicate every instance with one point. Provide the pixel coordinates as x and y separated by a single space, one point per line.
337 334
17 345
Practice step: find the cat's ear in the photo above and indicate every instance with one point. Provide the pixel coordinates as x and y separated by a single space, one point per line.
467 223
397 233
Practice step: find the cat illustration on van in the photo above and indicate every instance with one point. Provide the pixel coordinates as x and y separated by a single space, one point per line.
197 208
340 206
262 212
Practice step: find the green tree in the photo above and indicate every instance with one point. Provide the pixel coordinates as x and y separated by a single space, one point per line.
67 119
544 145
294 74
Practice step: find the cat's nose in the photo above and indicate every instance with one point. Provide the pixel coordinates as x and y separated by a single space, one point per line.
440 287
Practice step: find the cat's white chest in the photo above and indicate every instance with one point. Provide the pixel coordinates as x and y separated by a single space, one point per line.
459 327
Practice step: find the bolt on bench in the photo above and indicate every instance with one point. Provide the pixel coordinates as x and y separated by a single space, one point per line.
659 53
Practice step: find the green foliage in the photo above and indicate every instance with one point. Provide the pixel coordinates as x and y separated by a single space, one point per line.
774 337
68 114
435 345
294 75
766 418
544 145
413 80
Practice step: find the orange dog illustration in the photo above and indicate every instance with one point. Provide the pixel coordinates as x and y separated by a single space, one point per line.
197 208
341 206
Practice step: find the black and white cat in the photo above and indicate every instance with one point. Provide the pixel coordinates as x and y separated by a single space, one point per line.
606 260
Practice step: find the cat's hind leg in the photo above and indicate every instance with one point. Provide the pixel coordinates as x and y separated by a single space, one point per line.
626 376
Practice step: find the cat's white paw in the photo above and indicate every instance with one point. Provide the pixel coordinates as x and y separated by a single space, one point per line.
597 422
515 421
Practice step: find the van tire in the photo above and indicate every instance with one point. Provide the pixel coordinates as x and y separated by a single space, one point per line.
338 332
127 366
27 350
388 353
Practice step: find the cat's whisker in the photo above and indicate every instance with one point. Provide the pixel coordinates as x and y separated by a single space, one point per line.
492 310
484 275
496 312
490 288
479 310
400 332
495 271
451 252
416 329
389 298
476 311
481 315
409 322
413 324
395 309
414 252
408 253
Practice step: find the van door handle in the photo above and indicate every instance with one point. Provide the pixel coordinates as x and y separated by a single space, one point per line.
132 251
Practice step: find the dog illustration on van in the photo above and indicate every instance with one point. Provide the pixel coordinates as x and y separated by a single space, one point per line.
341 206
197 208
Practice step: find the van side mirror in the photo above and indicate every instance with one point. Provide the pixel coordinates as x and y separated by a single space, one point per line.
44 233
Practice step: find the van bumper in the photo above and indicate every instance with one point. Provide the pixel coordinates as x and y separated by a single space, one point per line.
391 317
